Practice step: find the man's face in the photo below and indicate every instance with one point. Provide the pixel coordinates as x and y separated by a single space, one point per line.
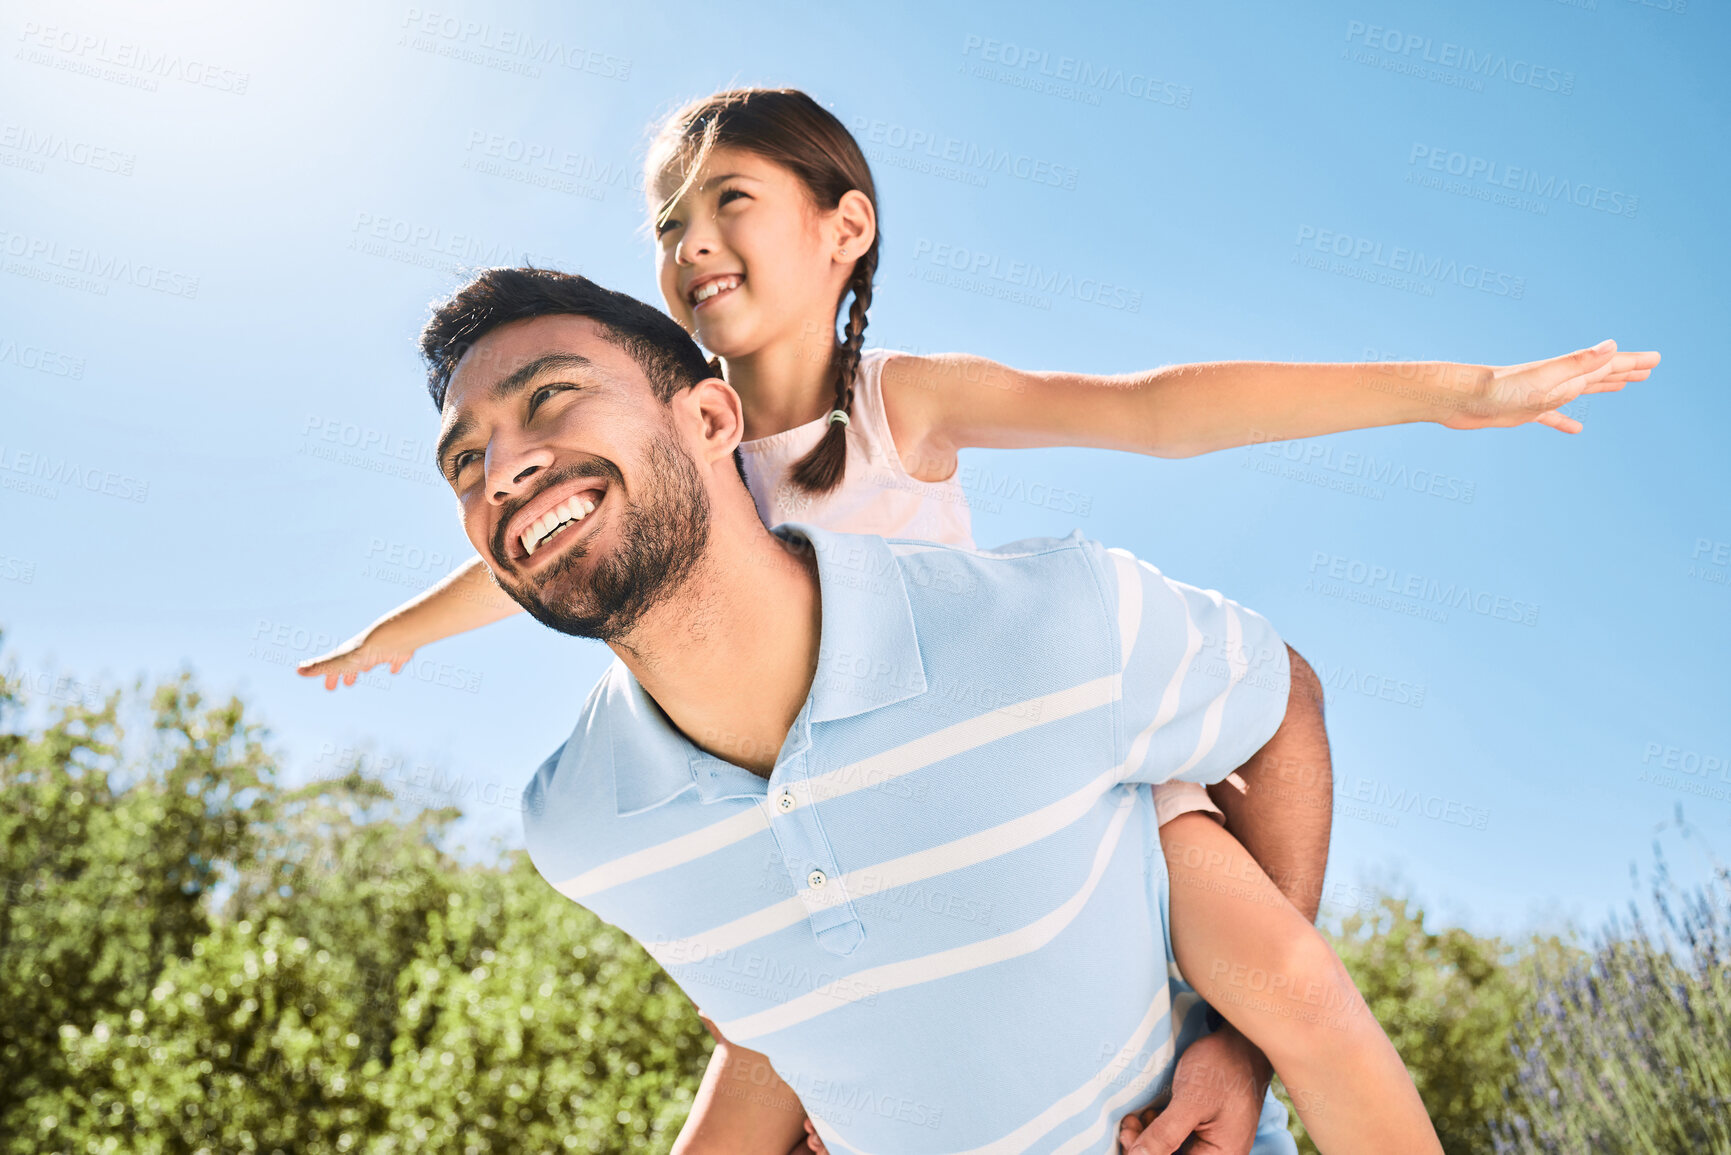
572 481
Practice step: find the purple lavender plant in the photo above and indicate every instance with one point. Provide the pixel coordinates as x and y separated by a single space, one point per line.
1631 1052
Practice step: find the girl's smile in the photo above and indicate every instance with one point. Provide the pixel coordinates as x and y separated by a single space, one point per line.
707 289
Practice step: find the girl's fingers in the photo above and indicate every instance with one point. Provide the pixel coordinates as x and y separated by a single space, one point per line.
1557 421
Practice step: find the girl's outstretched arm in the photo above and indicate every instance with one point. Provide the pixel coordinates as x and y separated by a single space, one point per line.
466 598
938 404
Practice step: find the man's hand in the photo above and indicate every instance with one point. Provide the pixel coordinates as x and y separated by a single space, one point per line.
1505 395
1217 1094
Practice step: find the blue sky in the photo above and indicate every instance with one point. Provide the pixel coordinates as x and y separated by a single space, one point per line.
222 230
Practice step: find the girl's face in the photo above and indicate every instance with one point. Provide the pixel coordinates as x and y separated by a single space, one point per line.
745 257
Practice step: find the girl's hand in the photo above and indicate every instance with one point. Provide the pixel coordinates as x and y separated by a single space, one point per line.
812 1142
1506 395
356 656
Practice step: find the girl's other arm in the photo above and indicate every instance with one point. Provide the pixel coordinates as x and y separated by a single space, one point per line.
465 599
939 404
1257 961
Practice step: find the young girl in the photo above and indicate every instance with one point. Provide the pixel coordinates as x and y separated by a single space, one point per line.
766 217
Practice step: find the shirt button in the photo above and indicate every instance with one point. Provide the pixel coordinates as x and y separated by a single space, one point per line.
784 801
816 879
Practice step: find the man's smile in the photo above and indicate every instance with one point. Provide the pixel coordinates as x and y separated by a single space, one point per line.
557 517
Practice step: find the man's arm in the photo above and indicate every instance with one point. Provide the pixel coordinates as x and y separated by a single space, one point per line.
1285 811
742 1107
1282 816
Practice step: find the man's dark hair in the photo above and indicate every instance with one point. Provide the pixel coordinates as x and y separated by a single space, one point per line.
666 353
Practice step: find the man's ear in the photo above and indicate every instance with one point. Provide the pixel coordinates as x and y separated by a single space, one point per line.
715 418
856 225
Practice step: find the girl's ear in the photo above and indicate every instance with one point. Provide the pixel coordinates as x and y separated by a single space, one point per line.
855 224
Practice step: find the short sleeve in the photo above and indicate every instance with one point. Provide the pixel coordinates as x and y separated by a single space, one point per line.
1203 682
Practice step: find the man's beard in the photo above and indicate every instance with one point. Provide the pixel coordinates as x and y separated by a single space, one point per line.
660 540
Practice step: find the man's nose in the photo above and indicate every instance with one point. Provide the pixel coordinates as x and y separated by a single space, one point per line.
511 470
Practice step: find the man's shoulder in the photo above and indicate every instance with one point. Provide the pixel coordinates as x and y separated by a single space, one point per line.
586 751
1033 566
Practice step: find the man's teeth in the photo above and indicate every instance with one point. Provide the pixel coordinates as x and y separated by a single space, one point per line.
575 509
704 292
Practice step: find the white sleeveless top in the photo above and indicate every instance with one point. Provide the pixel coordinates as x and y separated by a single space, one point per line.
876 494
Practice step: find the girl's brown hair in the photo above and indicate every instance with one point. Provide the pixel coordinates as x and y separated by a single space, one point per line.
789 128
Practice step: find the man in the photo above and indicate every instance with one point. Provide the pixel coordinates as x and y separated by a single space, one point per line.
876 805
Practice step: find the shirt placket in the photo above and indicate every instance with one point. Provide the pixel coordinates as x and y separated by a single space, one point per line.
806 851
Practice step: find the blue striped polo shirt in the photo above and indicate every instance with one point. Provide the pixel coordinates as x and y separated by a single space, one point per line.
943 915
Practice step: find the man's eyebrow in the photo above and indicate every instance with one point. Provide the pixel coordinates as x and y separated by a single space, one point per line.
502 390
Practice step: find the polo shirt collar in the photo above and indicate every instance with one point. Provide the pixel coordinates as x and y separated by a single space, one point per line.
868 656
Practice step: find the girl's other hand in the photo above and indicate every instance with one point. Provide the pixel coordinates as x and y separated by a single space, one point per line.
812 1142
356 656
1506 395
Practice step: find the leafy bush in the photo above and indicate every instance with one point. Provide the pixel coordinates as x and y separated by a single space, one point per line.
193 958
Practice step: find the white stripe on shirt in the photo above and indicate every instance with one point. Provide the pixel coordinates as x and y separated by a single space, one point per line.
929 968
1076 1101
875 770
904 871
1239 665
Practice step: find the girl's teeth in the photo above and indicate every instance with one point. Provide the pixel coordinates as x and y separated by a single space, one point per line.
713 288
